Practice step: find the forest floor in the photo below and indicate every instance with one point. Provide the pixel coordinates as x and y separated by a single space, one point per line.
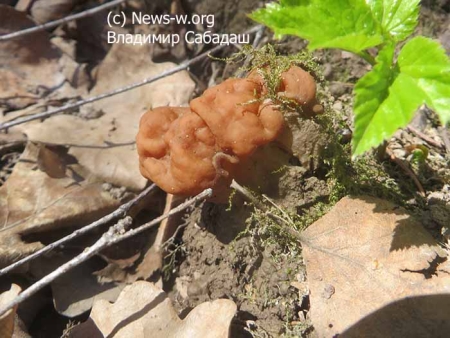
331 246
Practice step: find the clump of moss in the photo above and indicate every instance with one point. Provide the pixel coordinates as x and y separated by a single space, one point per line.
365 175
270 67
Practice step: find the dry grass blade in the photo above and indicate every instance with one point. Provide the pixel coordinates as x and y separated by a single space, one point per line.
58 22
116 213
115 234
425 137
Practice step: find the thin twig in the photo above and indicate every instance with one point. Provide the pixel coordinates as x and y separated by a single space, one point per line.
426 138
66 19
247 194
258 37
122 210
114 235
203 195
444 134
407 170
288 226
79 103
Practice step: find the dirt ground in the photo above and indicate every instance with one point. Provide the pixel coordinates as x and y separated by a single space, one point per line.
233 251
223 252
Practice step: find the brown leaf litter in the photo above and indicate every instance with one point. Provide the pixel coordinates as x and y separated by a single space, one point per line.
363 256
143 310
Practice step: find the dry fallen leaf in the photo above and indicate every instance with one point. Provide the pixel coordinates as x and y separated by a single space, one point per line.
7 320
75 291
29 66
106 145
47 10
365 254
153 258
144 311
31 202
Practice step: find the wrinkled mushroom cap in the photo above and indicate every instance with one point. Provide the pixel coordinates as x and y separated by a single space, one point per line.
186 150
176 149
238 120
298 85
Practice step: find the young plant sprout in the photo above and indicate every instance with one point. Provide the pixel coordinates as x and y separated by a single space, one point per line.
387 97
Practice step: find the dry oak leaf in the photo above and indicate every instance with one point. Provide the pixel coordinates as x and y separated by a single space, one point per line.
143 310
75 291
362 256
29 65
7 320
32 202
105 145
47 10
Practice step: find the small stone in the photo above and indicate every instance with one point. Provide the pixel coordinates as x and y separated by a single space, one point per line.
328 71
328 291
283 289
337 106
197 287
337 89
346 55
301 316
399 153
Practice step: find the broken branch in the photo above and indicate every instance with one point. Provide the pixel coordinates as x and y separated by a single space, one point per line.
116 213
183 66
64 20
115 234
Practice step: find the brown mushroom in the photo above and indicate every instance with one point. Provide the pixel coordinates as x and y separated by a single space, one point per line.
186 150
237 119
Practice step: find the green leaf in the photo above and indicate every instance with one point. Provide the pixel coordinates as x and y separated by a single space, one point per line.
398 18
344 24
425 61
370 92
387 97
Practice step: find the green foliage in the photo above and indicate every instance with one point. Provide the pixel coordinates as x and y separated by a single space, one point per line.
344 24
387 97
371 91
397 18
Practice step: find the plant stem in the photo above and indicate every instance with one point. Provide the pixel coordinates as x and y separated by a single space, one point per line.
366 56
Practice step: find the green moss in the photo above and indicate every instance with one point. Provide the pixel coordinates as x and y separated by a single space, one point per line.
364 176
270 66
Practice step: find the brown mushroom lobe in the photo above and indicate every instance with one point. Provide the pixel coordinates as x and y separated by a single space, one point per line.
186 150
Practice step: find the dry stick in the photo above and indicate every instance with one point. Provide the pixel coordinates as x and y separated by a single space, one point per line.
115 214
426 138
79 103
114 235
174 70
66 19
287 224
407 170
444 134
